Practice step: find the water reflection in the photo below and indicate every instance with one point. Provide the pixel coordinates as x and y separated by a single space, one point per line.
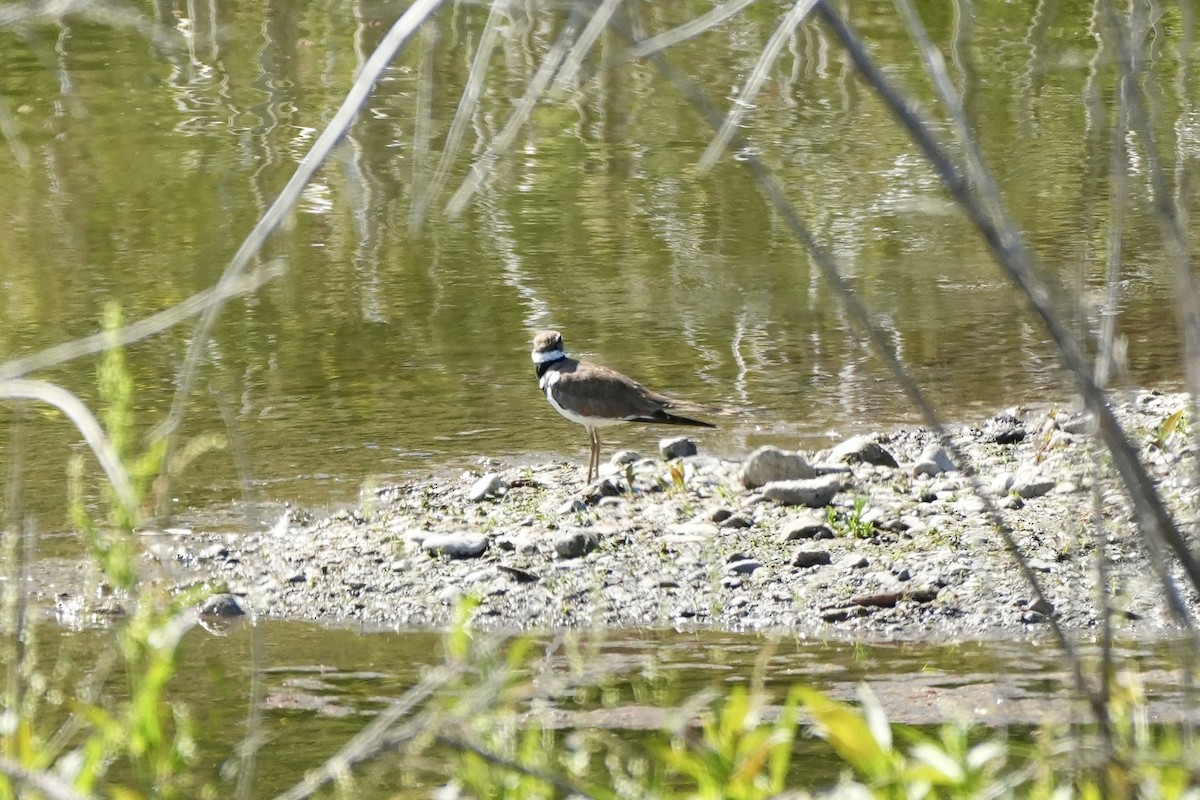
385 350
320 686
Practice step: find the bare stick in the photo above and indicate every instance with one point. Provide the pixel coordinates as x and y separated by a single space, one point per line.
47 783
364 83
143 328
745 99
87 425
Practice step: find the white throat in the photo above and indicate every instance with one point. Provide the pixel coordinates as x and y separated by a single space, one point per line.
551 355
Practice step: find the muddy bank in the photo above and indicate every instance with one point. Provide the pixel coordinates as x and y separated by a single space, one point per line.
898 542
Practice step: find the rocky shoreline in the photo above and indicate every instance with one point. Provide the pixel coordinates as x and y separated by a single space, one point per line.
883 533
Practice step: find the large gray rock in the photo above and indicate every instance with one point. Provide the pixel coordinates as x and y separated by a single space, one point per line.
490 485
814 493
770 464
933 461
456 545
1028 485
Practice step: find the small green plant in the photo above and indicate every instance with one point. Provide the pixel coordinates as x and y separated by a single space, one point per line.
946 766
143 737
852 524
738 754
678 476
1162 431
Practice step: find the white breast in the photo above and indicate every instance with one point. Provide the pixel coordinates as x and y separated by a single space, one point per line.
547 382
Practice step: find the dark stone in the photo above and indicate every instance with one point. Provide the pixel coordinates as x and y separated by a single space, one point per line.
518 574
861 450
575 543
1006 435
737 521
222 605
678 447
745 566
719 514
811 558
880 600
1043 607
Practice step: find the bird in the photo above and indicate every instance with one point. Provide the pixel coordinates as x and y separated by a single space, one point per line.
596 396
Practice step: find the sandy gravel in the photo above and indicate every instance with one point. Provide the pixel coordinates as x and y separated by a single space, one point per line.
905 550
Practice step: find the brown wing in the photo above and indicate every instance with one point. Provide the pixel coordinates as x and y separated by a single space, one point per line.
597 391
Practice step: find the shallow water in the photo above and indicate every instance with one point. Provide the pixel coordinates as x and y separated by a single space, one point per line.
131 170
135 169
320 686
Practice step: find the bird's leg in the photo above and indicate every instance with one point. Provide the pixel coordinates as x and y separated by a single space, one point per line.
594 456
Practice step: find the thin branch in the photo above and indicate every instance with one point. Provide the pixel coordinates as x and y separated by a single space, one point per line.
1016 260
87 425
483 166
467 104
364 83
550 779
47 783
688 30
597 22
143 328
745 99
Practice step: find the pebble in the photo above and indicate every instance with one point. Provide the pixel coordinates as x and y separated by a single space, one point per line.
770 464
720 514
222 605
519 544
1077 424
862 450
811 558
610 486
743 566
666 545
216 552
456 545
676 447
572 505
701 529
806 527
1031 485
814 493
622 458
450 596
933 461
575 543
970 506
490 485
1042 606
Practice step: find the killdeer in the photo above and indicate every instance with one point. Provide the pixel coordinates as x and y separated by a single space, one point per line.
596 396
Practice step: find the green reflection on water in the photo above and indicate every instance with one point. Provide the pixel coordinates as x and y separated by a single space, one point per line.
384 351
